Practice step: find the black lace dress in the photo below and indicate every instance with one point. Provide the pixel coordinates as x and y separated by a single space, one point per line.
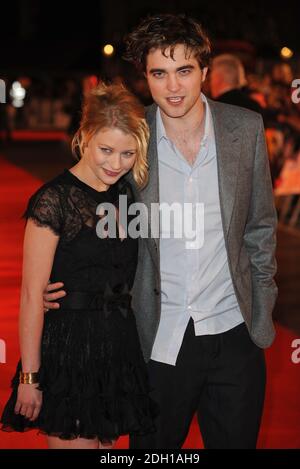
92 373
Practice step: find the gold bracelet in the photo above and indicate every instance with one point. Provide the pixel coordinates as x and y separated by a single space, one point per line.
28 378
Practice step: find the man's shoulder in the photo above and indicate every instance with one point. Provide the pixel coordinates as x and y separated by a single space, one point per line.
150 112
234 112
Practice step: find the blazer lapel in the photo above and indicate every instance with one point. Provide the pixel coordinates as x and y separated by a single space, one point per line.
228 146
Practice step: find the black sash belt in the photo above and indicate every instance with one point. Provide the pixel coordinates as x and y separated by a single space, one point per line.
108 303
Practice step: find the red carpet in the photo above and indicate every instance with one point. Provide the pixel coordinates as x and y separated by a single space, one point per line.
281 420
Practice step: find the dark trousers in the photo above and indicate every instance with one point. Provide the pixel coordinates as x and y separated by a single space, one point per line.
221 378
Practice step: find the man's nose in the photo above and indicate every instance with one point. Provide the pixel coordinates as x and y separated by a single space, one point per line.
173 83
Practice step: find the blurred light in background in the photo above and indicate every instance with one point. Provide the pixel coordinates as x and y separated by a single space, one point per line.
88 83
108 49
93 80
18 94
286 53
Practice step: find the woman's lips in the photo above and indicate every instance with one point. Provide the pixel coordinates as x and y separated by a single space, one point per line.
111 173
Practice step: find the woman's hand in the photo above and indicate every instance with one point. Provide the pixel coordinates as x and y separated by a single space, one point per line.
29 401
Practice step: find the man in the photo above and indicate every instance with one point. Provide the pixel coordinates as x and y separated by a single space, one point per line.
203 314
228 82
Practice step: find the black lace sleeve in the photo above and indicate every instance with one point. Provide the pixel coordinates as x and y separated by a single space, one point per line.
45 209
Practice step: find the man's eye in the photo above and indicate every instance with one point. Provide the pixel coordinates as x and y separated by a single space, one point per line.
184 72
158 75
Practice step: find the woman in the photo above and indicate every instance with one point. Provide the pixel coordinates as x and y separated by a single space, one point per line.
82 378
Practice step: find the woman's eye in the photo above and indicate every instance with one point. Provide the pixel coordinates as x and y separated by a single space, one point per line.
105 150
128 154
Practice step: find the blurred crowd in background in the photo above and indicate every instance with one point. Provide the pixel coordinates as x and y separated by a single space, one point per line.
53 104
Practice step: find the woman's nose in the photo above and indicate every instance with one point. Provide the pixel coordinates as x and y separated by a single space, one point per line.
115 162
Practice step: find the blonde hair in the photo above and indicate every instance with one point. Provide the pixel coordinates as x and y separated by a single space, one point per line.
113 106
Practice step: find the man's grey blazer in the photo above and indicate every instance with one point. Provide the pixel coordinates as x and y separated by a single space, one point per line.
248 220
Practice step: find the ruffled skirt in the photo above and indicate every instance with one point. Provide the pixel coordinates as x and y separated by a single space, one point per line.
93 377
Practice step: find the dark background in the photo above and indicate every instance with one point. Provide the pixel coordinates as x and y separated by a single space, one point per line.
68 36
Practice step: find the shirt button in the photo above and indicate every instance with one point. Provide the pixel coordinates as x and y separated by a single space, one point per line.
189 307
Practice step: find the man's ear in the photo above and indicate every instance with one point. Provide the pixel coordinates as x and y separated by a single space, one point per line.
204 73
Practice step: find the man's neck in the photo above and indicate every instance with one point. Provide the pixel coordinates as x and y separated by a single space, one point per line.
187 135
185 127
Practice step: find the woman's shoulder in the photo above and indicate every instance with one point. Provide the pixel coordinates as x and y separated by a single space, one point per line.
47 200
53 187
45 206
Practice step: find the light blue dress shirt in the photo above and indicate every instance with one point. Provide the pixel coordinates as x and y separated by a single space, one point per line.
195 281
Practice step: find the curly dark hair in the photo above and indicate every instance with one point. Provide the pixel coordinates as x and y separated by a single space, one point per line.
166 31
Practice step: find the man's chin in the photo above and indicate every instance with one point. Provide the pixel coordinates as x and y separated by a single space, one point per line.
174 113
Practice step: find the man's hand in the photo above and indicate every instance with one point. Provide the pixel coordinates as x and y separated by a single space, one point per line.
50 297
